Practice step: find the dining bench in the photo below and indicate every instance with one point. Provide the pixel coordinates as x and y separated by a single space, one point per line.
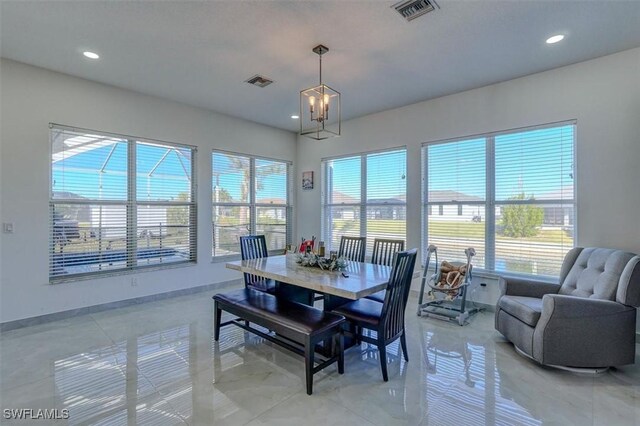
297 327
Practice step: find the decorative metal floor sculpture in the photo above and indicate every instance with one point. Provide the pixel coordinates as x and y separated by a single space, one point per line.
447 288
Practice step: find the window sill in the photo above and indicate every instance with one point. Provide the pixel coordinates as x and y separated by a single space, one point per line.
137 270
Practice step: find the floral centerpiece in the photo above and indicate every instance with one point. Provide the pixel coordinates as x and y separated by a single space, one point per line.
313 260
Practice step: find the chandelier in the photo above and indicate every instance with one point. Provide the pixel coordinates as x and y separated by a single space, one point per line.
320 107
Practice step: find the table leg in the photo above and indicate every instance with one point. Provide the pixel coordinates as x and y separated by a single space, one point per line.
295 293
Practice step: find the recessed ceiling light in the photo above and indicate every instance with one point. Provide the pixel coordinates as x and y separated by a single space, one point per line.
91 55
555 39
295 117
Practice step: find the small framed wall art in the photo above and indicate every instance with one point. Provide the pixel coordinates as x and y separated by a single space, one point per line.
307 180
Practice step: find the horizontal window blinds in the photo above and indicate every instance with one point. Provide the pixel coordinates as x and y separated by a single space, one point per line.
118 203
534 209
231 202
456 179
250 196
508 195
365 195
386 188
165 207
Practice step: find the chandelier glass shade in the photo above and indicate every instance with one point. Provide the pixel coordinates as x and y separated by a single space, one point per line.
320 107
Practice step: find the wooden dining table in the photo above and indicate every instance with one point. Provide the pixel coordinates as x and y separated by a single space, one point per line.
358 280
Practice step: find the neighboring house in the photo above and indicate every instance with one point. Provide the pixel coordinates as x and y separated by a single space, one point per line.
387 208
110 222
350 210
278 212
78 212
455 212
558 214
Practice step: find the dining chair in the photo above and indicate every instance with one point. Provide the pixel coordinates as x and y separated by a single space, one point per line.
255 247
387 318
352 248
383 252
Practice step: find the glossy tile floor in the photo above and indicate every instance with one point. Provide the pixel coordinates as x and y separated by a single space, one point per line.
157 364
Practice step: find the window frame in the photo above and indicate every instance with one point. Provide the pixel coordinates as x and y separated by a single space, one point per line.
252 204
363 204
130 203
490 201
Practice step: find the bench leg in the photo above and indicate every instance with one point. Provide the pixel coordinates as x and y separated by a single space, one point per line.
217 321
340 348
309 350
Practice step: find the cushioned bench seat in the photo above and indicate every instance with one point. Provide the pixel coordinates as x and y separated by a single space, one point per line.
300 323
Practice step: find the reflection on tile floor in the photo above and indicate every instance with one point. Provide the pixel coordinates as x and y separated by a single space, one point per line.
157 364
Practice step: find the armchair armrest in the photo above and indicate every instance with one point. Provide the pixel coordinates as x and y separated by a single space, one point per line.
563 307
583 332
527 288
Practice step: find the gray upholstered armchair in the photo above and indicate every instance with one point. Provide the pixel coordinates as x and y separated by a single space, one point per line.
588 320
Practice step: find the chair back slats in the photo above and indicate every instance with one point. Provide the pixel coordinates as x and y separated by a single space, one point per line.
384 250
352 248
397 294
253 247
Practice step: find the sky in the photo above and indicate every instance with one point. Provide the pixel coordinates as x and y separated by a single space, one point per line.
80 174
229 177
535 162
386 175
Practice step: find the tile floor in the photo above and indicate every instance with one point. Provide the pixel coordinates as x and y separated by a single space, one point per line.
157 364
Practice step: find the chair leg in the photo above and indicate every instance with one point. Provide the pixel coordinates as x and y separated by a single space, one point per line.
309 348
217 321
340 349
382 349
403 343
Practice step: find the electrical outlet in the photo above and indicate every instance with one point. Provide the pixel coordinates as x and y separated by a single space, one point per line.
134 282
7 228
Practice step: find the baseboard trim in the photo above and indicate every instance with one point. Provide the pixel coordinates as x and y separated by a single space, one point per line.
41 319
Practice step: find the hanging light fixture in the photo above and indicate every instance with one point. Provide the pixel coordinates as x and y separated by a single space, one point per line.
320 107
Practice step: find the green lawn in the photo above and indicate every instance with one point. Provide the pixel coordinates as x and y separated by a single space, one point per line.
397 228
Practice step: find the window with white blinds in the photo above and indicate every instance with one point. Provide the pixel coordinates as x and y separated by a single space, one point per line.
365 195
118 203
250 196
509 195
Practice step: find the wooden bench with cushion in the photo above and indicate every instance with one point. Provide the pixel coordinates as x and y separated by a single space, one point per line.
297 327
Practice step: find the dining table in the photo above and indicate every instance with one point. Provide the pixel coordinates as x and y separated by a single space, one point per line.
357 280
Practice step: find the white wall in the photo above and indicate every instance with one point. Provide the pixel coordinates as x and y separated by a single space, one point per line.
31 99
603 95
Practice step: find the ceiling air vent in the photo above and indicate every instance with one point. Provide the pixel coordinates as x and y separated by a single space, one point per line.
259 80
411 9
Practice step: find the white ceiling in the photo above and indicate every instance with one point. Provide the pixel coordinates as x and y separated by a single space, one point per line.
200 53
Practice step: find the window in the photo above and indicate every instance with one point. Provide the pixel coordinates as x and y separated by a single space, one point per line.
250 196
119 203
509 195
364 195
